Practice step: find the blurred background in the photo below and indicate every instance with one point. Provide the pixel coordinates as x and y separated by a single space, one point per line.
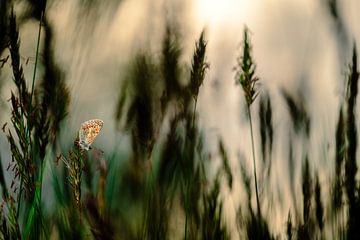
301 48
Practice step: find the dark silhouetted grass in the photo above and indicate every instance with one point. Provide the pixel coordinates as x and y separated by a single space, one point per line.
245 76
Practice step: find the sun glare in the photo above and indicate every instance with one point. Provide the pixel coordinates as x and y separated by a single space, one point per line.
217 11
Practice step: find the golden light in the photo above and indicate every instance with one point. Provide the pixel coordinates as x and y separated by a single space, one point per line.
218 11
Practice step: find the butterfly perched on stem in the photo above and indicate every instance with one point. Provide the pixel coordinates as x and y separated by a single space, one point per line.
88 132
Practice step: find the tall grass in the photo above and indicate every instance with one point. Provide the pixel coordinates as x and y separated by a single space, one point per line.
245 76
163 190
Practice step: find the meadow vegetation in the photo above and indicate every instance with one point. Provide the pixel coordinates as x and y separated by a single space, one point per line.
163 190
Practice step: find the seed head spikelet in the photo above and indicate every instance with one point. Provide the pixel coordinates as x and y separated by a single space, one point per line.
245 71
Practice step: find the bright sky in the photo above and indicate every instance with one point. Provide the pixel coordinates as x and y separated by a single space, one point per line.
219 11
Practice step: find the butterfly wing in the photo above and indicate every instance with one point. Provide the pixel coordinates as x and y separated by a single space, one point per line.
88 132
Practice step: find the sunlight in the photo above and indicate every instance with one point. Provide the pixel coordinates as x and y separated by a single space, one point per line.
218 11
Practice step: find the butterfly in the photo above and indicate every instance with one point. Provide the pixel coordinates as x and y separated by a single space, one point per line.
88 132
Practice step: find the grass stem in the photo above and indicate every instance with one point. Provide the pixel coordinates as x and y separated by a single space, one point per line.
36 59
193 119
254 161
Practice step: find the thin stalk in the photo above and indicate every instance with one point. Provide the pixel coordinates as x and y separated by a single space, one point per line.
36 59
18 203
193 119
254 162
150 189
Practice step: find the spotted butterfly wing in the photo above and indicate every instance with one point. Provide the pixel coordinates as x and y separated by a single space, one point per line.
88 132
